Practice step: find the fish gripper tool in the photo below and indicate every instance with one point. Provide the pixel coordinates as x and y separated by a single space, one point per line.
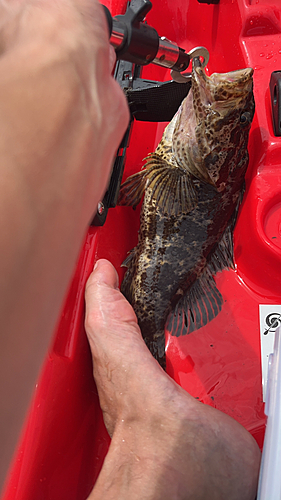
137 42
136 45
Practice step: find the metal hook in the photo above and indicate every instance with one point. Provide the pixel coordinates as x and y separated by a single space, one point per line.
196 52
200 52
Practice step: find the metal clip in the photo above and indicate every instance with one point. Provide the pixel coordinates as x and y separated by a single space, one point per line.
196 52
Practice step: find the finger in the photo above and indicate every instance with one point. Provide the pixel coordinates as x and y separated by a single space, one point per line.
105 304
104 272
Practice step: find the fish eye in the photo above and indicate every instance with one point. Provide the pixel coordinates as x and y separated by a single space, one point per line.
245 118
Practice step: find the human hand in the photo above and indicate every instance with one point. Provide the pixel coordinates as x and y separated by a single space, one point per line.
62 118
165 444
68 115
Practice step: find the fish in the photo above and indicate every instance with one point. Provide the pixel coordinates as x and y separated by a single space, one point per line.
193 185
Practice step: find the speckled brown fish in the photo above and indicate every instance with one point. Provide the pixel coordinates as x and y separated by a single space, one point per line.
193 184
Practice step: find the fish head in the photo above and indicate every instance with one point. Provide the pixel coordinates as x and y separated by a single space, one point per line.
211 130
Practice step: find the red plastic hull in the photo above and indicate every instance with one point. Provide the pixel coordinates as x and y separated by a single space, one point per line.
64 442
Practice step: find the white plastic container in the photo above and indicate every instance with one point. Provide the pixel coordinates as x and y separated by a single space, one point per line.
270 472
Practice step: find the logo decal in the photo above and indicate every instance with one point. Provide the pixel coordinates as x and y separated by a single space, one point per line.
272 320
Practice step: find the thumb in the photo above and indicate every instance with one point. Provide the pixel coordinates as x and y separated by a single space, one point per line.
105 304
104 272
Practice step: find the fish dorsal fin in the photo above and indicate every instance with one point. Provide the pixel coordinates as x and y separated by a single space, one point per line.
128 261
222 257
196 308
127 284
171 187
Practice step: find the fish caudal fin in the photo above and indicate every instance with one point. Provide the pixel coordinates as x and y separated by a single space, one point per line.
203 301
200 305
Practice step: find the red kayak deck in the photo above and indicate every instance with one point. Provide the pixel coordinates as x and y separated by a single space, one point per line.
65 441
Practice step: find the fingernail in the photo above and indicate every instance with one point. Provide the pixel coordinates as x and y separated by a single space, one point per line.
96 265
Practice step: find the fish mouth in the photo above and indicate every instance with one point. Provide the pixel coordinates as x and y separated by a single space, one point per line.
221 88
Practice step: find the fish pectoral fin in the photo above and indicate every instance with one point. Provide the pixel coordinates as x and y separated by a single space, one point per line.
132 189
196 308
172 187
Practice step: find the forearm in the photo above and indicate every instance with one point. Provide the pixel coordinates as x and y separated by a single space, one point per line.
41 226
56 149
